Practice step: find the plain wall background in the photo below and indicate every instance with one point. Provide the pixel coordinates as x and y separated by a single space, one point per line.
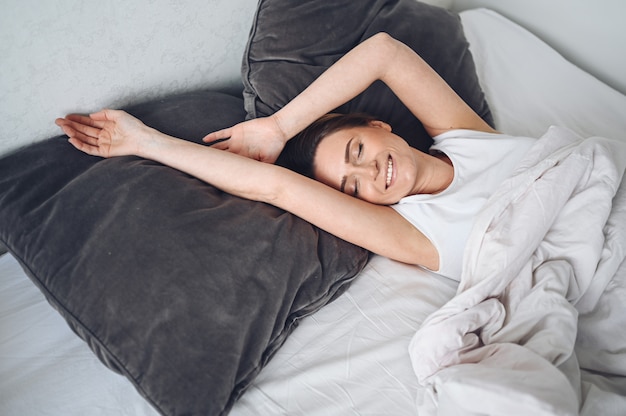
81 55
67 56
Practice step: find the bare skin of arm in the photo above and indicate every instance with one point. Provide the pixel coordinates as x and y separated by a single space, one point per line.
380 57
375 227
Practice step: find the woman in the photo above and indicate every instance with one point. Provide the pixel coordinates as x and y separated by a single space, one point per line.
363 159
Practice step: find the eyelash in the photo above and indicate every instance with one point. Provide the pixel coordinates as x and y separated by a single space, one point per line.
356 183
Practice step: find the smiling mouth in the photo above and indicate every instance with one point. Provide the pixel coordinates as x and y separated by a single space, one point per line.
389 171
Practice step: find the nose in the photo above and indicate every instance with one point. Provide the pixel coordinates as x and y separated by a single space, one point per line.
368 169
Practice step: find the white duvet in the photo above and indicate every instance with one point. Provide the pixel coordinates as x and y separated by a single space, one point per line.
543 292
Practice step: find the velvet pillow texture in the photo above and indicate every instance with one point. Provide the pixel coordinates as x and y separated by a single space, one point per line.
185 290
293 41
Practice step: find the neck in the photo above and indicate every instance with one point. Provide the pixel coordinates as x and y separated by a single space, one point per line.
435 173
446 171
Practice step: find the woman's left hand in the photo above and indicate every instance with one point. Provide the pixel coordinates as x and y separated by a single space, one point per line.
261 139
106 133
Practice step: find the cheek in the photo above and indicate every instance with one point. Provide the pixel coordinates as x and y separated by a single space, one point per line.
407 169
373 195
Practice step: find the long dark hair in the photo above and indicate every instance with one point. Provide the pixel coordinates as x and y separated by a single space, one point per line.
299 152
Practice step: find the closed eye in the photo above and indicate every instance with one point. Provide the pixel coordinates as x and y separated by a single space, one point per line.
350 149
359 154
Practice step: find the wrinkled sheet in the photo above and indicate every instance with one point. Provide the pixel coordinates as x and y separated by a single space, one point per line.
541 307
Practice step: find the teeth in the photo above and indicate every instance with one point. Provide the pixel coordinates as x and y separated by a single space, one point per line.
389 171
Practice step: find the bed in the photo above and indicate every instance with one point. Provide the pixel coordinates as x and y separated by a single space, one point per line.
370 349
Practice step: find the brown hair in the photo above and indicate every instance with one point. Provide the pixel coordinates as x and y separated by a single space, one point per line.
299 152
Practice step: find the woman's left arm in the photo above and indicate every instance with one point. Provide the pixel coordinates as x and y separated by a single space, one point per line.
380 57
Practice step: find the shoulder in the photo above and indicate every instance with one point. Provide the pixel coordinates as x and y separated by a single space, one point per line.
468 134
377 228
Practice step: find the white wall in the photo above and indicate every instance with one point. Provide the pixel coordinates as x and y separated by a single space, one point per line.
589 33
80 55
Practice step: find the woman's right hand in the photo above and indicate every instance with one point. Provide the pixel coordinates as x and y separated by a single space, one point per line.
260 139
106 133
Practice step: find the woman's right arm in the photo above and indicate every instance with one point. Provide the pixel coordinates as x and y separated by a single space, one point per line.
377 228
110 133
380 57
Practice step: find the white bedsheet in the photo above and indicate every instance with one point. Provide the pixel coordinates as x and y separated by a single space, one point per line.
544 250
351 357
45 369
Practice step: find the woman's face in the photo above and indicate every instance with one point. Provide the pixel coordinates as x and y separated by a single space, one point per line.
370 163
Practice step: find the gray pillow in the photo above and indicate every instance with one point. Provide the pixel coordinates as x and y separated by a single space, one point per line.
292 42
185 290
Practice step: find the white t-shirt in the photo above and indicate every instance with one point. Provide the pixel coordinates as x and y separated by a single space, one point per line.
482 161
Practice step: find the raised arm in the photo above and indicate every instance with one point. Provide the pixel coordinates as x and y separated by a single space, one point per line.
384 58
380 57
374 227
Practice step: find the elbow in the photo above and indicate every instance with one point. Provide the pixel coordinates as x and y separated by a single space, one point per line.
385 49
383 43
382 38
386 40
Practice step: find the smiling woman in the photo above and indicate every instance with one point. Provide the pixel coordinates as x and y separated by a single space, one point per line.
359 157
373 164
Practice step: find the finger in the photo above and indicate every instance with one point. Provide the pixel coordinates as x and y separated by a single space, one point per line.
105 115
86 120
218 136
77 124
72 133
85 147
220 144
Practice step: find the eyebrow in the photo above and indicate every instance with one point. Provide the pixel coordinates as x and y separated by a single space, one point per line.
347 156
342 187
